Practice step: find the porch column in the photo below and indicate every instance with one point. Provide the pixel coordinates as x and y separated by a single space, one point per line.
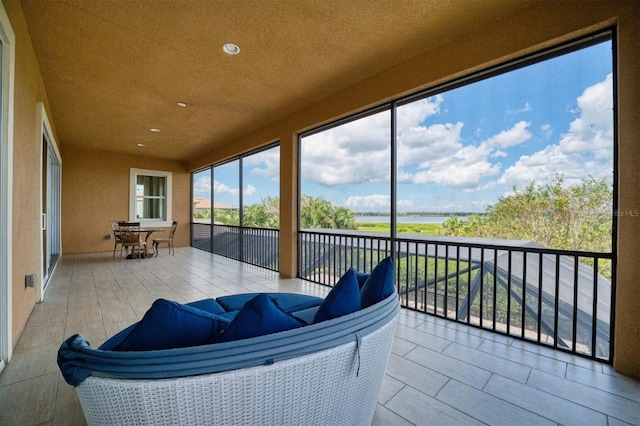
626 356
288 205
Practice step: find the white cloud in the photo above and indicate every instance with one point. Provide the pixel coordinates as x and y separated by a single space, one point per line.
250 190
423 144
465 169
593 129
414 113
360 151
428 151
372 202
221 188
525 108
468 165
511 137
586 148
266 163
356 152
546 130
405 204
202 185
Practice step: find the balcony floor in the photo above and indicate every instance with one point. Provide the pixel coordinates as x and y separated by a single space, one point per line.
439 373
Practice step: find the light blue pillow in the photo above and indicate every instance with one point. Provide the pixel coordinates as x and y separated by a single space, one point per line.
259 316
168 325
379 285
343 299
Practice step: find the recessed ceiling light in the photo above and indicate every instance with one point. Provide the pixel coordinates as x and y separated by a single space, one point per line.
231 49
154 130
182 104
141 144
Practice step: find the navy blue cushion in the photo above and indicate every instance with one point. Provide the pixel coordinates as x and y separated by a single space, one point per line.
259 316
306 315
379 285
361 277
168 325
209 305
116 339
343 299
289 302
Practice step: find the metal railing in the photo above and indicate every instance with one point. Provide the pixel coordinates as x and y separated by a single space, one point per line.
557 298
256 246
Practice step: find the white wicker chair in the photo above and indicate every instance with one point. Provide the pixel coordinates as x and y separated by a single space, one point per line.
335 386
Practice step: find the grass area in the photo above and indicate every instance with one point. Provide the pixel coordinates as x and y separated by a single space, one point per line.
402 228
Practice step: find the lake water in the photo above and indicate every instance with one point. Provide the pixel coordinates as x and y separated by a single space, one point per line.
405 219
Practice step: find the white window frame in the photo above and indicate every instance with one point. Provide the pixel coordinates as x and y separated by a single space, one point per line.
6 183
133 179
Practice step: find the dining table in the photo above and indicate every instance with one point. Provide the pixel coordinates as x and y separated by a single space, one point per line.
147 230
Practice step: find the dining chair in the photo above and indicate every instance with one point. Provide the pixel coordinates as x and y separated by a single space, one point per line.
169 240
130 237
116 236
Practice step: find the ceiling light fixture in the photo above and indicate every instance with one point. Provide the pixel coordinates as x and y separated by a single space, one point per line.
154 130
141 144
182 104
231 49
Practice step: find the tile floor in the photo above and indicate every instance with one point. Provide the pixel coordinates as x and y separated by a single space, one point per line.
439 373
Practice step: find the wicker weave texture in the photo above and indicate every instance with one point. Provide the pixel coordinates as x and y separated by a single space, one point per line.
337 386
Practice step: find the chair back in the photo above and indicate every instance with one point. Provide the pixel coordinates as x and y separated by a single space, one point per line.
173 229
115 228
129 232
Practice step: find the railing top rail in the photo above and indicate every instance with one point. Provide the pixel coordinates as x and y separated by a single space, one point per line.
467 242
234 226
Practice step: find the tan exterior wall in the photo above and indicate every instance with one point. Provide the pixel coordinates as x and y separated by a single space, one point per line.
28 90
95 185
542 25
627 317
95 190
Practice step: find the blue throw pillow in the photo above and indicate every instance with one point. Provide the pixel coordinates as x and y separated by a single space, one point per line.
168 325
343 299
361 277
208 305
379 285
259 316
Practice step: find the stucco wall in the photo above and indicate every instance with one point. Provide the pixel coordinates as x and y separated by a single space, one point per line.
542 25
95 190
28 90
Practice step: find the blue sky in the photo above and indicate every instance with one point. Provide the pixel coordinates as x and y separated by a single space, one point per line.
459 150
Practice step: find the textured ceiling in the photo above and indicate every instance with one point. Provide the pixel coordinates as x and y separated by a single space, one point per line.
113 69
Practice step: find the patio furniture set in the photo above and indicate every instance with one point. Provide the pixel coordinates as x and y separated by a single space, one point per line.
255 358
130 235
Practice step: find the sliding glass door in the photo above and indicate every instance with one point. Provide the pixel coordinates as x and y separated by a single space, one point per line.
51 184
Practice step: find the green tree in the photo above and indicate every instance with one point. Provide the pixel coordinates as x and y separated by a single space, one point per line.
554 215
263 215
226 217
474 226
453 225
316 212
202 214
